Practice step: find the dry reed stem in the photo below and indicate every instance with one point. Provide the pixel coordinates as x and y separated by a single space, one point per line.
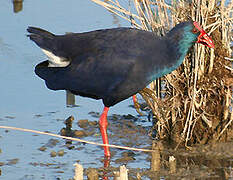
117 10
123 173
228 124
172 164
78 172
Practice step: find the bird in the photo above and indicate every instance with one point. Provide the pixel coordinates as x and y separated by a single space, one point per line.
112 64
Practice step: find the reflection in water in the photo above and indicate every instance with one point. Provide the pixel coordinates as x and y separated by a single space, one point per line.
106 165
207 161
17 5
203 162
5 49
155 156
116 20
70 99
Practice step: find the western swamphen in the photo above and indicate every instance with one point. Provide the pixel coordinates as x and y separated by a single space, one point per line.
112 64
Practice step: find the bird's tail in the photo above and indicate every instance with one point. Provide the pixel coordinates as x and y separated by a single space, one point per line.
42 38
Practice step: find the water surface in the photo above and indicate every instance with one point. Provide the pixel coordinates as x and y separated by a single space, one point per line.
25 100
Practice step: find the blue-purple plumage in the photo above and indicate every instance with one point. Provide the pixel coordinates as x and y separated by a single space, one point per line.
111 64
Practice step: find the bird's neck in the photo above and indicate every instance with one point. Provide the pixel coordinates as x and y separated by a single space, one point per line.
178 47
182 48
185 43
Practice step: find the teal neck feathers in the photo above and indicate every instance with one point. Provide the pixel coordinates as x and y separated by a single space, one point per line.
180 48
185 43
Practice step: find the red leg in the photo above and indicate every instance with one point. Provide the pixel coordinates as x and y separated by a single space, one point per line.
134 99
103 122
136 104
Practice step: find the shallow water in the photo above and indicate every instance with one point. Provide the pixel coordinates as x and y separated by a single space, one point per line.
26 102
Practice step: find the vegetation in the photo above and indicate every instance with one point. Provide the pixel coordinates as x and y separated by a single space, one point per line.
193 104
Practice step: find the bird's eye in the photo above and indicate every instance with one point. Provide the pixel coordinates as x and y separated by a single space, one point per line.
195 30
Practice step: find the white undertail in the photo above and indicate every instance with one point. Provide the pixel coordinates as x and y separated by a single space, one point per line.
55 61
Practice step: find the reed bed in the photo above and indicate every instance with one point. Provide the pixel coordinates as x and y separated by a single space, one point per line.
193 104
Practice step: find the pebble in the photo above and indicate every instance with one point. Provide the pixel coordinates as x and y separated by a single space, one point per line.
93 123
83 123
79 133
42 148
61 153
12 161
53 154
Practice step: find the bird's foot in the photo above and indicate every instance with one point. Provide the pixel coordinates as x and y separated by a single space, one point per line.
137 105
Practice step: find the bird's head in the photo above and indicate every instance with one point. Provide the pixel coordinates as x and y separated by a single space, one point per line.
202 38
185 34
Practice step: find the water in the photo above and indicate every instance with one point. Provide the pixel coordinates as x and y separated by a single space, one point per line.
24 99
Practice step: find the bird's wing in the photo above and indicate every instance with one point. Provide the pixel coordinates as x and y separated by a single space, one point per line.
104 59
96 77
125 41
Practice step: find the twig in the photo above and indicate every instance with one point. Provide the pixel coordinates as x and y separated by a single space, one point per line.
229 68
227 58
122 10
75 139
228 124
